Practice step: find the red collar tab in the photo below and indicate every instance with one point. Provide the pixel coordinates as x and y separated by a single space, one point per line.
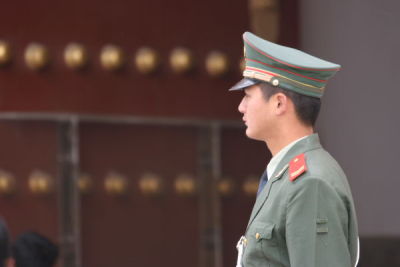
297 167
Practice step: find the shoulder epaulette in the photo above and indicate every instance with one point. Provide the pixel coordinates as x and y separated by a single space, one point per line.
297 167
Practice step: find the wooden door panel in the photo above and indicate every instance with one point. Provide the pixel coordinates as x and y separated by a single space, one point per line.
136 229
26 147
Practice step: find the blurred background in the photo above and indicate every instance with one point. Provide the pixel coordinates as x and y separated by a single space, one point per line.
120 142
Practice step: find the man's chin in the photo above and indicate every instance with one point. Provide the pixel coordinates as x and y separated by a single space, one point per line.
253 135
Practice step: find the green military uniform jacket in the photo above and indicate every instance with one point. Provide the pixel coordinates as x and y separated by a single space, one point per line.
307 222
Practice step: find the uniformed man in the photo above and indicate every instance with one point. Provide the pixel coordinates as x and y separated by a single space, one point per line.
304 213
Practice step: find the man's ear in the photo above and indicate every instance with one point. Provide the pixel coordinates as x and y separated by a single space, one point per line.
281 103
10 262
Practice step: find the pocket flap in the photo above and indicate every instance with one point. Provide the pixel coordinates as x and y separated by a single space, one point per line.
263 230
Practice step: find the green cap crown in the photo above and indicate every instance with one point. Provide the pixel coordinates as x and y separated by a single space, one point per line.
285 67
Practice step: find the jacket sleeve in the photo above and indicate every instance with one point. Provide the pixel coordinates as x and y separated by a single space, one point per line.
314 223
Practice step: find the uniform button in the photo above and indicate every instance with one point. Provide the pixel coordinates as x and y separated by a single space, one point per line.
275 82
258 236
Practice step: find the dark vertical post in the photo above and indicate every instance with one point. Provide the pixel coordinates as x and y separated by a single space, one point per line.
209 206
68 156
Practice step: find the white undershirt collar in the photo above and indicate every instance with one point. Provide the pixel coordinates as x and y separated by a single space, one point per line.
273 163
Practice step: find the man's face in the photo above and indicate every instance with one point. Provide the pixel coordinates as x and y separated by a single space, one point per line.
257 113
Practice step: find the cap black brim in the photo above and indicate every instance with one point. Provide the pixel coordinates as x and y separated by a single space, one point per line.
244 83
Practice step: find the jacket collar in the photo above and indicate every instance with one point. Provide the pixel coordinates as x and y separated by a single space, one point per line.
309 143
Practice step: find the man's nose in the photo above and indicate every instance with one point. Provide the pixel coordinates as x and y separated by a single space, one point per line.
241 106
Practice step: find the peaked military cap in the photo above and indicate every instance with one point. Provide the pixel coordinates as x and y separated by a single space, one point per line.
285 67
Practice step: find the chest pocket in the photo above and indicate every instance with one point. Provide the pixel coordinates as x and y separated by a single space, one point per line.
264 243
262 231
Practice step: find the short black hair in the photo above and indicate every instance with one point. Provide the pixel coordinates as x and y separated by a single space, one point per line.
4 242
31 249
307 107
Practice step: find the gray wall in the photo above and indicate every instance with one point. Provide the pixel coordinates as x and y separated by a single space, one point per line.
360 118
